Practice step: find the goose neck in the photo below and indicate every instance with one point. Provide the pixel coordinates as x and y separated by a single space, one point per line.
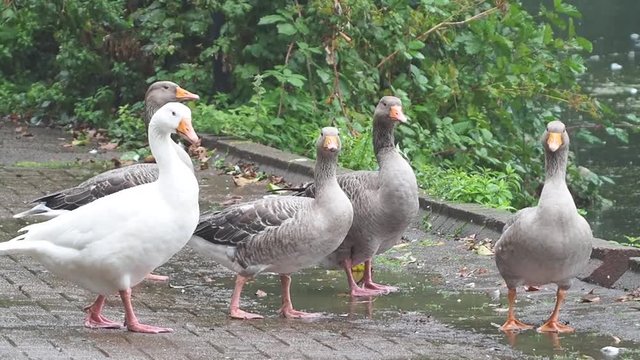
383 139
556 165
150 108
162 148
325 172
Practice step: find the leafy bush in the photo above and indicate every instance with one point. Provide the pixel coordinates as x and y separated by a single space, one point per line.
479 80
486 187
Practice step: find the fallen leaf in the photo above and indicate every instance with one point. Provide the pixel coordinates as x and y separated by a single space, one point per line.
274 179
484 250
261 294
590 297
241 181
79 142
399 246
632 296
109 146
470 237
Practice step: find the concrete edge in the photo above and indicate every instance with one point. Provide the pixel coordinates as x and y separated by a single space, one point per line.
445 218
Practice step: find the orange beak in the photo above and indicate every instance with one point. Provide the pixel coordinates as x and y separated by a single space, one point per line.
396 113
185 130
331 143
554 141
183 95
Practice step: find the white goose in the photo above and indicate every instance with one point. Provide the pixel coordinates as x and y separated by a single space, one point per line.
109 245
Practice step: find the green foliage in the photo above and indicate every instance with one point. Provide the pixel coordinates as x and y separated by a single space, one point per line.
128 127
478 81
633 240
490 188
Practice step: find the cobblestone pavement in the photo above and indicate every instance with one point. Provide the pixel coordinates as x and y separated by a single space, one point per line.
41 315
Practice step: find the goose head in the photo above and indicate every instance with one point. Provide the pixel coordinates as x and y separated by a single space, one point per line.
329 141
555 137
162 92
174 117
389 109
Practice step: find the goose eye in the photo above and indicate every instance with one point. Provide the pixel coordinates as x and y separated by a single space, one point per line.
165 87
173 113
384 103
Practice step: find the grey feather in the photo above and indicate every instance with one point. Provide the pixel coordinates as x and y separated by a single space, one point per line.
551 242
279 234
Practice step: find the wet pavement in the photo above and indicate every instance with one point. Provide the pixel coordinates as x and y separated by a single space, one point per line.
446 308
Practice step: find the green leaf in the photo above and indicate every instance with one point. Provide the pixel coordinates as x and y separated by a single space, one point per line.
415 45
567 9
324 76
286 29
271 19
295 81
585 44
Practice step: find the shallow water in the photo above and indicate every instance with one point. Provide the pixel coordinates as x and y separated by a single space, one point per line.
325 292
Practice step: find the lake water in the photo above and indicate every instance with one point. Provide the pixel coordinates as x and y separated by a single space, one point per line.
610 25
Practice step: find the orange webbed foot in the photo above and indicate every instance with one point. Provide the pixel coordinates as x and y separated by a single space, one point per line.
555 327
515 325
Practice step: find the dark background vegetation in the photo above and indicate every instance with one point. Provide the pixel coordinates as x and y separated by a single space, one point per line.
479 79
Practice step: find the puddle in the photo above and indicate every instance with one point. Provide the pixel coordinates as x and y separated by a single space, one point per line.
325 291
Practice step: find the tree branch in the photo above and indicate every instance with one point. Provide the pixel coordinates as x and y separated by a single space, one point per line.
424 35
286 62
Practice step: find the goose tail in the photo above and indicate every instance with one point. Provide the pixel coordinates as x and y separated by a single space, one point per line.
17 245
40 210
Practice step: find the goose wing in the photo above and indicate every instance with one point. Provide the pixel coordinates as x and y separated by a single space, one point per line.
100 186
241 222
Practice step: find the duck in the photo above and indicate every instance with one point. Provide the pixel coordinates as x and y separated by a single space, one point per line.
547 243
384 203
110 244
280 234
51 205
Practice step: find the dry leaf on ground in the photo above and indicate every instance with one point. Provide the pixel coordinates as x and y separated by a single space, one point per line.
590 297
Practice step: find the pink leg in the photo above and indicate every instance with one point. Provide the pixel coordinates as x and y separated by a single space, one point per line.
355 289
368 280
234 310
95 320
131 320
287 309
154 277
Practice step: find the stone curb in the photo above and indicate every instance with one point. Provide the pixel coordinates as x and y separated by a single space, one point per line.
610 262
